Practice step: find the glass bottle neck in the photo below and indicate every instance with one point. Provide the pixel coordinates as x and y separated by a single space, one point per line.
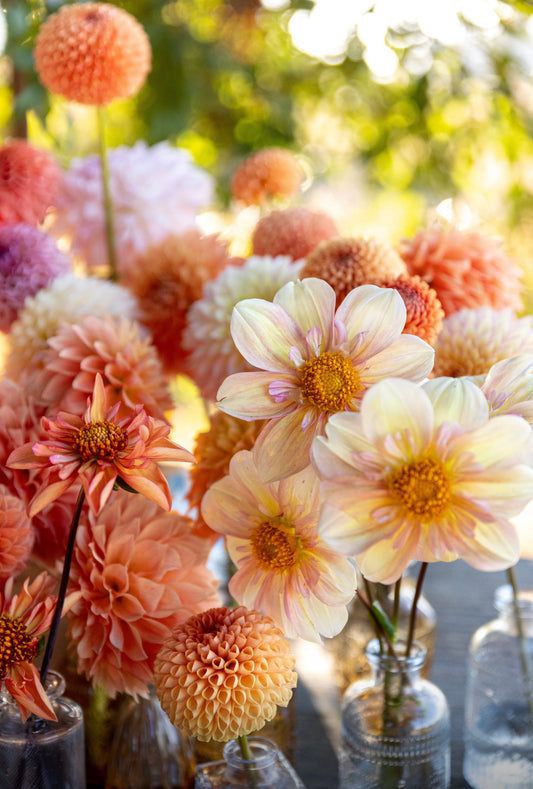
263 752
397 663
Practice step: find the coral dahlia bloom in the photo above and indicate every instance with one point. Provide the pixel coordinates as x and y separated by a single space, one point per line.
283 567
294 232
24 617
99 450
223 674
466 268
16 534
268 173
92 53
314 361
424 311
422 473
29 181
138 572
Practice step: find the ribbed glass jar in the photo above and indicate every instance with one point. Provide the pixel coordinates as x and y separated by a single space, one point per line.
395 726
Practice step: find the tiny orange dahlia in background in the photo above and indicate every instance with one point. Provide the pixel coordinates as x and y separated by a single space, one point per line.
270 172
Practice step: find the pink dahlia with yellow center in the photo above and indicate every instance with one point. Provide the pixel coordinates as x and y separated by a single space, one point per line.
313 361
222 674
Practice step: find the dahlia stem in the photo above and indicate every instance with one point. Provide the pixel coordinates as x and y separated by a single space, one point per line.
524 657
63 586
414 607
247 754
108 204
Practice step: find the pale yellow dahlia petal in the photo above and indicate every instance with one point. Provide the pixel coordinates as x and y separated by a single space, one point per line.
255 320
332 456
311 304
378 312
508 387
246 395
383 563
408 357
397 406
283 447
457 399
498 438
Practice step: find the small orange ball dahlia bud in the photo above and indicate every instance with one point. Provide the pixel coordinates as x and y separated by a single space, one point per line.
92 53
268 173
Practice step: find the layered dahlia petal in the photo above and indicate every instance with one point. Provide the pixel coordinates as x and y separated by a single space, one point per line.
283 447
247 395
311 304
454 399
378 312
255 319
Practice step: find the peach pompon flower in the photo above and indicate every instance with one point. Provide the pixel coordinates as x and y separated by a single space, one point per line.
292 231
223 674
314 361
92 53
283 566
265 174
423 473
99 451
24 617
29 181
139 572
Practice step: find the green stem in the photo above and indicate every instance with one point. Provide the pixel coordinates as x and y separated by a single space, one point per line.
247 754
524 657
108 205
380 632
414 607
396 604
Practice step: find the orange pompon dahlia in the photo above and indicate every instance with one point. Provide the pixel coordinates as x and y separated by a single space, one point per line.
139 572
29 181
294 232
16 534
424 310
100 451
346 263
466 268
268 173
92 53
222 674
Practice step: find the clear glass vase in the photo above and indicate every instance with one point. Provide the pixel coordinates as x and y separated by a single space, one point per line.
499 698
267 769
395 726
42 754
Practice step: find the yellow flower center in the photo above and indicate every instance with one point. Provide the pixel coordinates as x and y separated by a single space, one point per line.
423 487
329 381
16 644
100 440
273 548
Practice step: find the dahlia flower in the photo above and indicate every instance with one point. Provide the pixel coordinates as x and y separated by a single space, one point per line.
156 191
508 387
471 341
466 268
29 181
110 345
283 567
16 534
67 299
167 280
422 473
29 261
92 53
424 311
99 450
294 232
138 572
207 336
346 263
222 674
268 173
314 362
24 617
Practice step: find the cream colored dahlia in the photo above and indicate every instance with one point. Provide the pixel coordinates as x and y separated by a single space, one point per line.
222 674
346 263
424 310
207 336
294 232
268 173
472 340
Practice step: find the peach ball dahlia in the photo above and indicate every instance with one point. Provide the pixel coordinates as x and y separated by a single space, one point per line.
294 232
270 172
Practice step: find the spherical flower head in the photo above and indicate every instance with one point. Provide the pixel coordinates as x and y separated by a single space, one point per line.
222 674
139 572
283 567
294 232
212 354
423 473
29 182
424 310
67 299
472 340
92 53
313 360
16 534
346 263
167 280
156 192
113 346
467 269
29 261
266 174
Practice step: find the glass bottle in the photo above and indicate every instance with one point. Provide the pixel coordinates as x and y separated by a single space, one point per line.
267 769
395 726
41 753
499 698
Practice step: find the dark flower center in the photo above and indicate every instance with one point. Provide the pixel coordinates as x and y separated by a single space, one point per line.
16 644
100 440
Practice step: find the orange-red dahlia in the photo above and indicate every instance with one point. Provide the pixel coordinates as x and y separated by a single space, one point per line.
346 263
167 280
466 268
222 674
92 53
424 310
294 232
270 172
16 534
29 181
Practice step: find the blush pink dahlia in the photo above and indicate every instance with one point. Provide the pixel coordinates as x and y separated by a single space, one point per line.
16 534
314 361
294 232
29 181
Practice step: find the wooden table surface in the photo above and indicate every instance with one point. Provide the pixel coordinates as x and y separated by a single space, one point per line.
463 600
